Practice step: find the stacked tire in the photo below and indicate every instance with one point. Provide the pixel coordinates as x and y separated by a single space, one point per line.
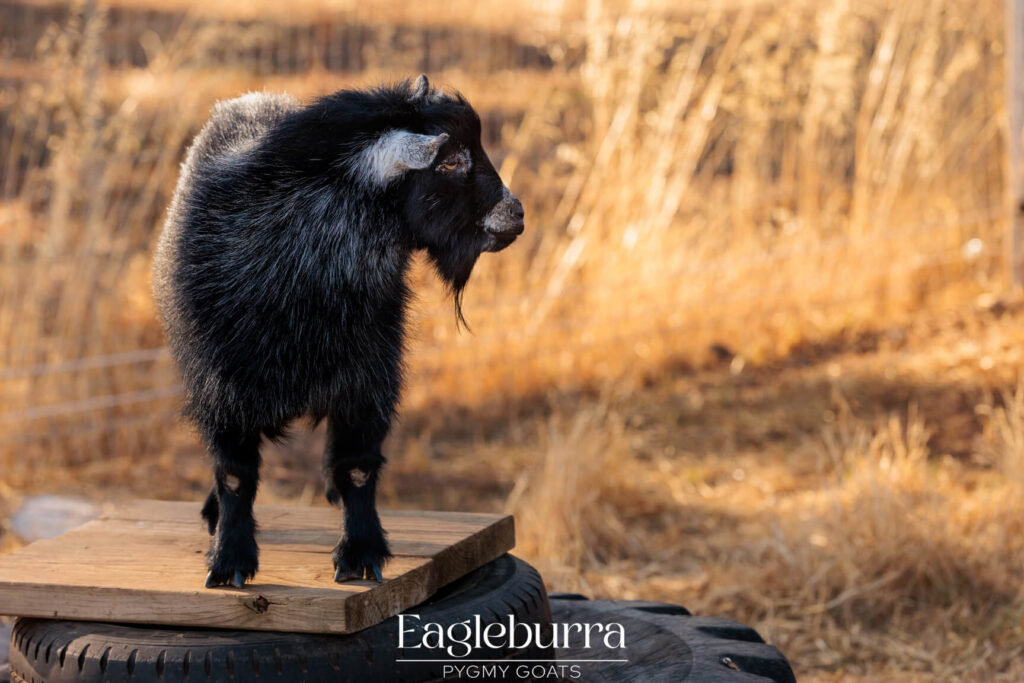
661 643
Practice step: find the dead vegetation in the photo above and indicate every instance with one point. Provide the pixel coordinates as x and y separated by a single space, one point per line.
754 354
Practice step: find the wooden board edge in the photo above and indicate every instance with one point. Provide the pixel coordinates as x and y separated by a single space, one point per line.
21 600
447 566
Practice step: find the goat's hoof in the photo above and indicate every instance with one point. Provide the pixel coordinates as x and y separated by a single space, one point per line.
237 580
341 576
371 573
355 560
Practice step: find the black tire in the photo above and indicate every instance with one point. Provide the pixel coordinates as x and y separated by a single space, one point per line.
59 651
666 643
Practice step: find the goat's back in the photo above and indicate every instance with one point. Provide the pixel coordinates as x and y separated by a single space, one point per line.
235 126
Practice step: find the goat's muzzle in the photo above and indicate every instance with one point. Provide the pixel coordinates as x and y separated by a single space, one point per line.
504 222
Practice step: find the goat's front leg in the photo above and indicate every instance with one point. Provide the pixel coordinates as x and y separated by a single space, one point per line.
352 464
233 557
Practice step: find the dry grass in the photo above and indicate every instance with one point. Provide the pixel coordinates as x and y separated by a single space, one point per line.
753 354
861 546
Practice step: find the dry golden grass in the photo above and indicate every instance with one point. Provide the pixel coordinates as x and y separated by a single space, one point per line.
846 530
754 354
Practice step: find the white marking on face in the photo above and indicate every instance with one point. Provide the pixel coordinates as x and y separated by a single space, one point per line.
394 153
231 482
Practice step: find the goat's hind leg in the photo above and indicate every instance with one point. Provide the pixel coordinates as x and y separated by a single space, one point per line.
353 462
233 557
211 510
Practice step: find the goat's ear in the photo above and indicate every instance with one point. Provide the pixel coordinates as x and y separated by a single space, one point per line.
420 89
396 152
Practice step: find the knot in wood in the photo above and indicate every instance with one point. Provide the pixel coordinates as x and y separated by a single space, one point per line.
259 604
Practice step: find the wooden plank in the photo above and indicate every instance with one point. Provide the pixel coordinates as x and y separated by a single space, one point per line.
144 563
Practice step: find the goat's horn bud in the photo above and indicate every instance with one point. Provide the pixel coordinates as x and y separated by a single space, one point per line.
420 88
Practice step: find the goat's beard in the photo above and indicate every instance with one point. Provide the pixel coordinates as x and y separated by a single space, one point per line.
454 264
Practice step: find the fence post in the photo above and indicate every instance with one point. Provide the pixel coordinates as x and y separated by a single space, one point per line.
1015 121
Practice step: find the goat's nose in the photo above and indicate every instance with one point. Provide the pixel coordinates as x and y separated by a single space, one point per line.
515 210
506 218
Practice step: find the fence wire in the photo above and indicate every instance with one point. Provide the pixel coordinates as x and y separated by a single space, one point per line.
694 313
678 277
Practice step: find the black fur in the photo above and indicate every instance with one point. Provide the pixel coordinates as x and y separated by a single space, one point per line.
281 280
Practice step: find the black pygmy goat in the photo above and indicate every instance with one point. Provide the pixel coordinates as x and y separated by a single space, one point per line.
281 279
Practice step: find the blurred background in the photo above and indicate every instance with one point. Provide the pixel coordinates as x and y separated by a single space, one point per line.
757 352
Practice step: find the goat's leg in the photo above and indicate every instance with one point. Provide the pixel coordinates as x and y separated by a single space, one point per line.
233 557
211 510
352 465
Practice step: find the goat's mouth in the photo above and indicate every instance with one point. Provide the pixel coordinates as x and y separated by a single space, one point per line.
496 241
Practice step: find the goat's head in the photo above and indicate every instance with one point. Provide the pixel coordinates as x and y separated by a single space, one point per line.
455 204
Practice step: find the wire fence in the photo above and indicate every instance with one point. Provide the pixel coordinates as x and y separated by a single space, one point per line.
675 277
625 323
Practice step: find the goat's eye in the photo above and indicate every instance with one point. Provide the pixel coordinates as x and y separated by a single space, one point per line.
458 163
